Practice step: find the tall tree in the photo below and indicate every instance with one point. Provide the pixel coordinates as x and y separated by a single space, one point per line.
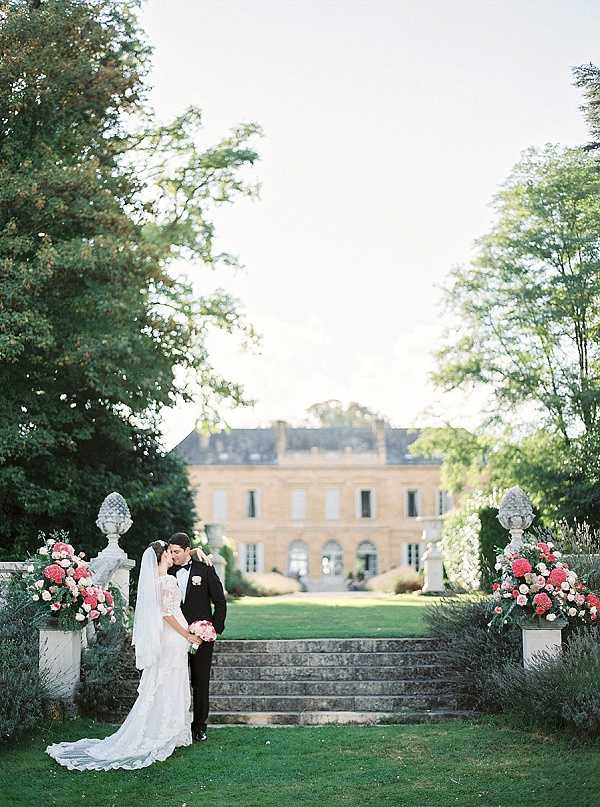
527 317
334 413
97 335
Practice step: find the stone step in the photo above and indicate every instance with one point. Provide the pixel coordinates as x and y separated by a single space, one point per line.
325 659
226 646
225 672
338 717
423 686
350 703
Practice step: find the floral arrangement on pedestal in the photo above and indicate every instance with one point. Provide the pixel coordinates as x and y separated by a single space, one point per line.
60 580
536 589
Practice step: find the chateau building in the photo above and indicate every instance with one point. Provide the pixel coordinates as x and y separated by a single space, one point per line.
318 502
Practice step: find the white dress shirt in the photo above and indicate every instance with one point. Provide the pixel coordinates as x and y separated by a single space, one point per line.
182 576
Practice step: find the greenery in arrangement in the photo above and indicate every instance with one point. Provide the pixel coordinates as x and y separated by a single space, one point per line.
97 334
458 762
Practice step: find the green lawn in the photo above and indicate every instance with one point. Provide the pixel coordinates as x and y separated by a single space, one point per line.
455 763
328 616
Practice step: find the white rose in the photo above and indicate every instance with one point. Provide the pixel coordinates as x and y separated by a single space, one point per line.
112 619
551 617
572 611
87 607
65 563
46 595
498 566
507 595
565 586
39 584
570 597
79 617
35 597
582 613
550 544
558 555
43 550
196 580
523 588
30 568
593 609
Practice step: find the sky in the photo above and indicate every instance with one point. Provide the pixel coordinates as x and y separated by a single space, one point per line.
389 126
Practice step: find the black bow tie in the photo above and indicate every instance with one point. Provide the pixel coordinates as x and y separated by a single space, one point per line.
187 566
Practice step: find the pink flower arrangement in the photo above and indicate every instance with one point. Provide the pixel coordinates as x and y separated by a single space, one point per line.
205 630
64 586
534 585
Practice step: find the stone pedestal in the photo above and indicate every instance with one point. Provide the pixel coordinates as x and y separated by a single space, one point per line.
433 559
60 661
536 641
214 534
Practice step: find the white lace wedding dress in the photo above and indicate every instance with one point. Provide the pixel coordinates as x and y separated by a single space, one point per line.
160 719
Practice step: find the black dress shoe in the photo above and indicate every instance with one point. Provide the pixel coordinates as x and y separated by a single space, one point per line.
199 736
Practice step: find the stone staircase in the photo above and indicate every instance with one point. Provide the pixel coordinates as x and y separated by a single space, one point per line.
318 681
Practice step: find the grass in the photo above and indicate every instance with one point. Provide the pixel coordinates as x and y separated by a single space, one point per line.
455 763
329 616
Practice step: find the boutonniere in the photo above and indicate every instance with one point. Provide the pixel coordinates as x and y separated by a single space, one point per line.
196 580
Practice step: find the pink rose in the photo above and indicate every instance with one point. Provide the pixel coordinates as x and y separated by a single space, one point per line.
497 610
54 572
521 600
557 577
93 614
542 602
521 567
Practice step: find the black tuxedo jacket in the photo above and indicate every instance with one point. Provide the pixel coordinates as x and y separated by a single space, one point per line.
198 601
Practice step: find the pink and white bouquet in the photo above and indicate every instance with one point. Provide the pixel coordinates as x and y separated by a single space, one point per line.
536 588
61 582
205 630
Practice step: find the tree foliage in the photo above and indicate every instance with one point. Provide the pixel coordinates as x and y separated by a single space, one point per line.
97 333
528 320
334 413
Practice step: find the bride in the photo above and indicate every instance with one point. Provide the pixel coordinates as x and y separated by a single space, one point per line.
160 720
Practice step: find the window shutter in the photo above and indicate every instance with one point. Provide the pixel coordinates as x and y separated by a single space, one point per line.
260 557
373 504
242 558
258 503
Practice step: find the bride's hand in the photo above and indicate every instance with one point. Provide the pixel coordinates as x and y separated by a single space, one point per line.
194 639
201 556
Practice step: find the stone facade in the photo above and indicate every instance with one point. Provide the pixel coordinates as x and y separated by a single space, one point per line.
321 502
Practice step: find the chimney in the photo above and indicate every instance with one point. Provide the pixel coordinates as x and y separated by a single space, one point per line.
280 429
379 427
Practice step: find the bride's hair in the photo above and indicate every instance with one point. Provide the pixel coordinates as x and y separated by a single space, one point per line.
159 548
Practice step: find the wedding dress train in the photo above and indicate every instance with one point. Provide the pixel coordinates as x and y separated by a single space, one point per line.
160 719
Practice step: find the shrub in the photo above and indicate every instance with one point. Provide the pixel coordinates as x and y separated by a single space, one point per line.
271 584
471 652
399 580
105 666
561 695
24 701
235 582
492 536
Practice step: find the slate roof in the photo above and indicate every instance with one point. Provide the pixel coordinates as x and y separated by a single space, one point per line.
258 446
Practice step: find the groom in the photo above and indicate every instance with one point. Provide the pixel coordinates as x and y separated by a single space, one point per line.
200 586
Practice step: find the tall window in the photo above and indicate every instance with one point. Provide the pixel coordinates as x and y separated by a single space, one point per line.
298 559
298 505
412 503
366 557
219 505
365 504
413 556
252 504
332 560
332 504
443 502
251 558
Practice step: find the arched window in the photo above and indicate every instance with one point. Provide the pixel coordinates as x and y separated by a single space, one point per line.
298 559
332 560
366 557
